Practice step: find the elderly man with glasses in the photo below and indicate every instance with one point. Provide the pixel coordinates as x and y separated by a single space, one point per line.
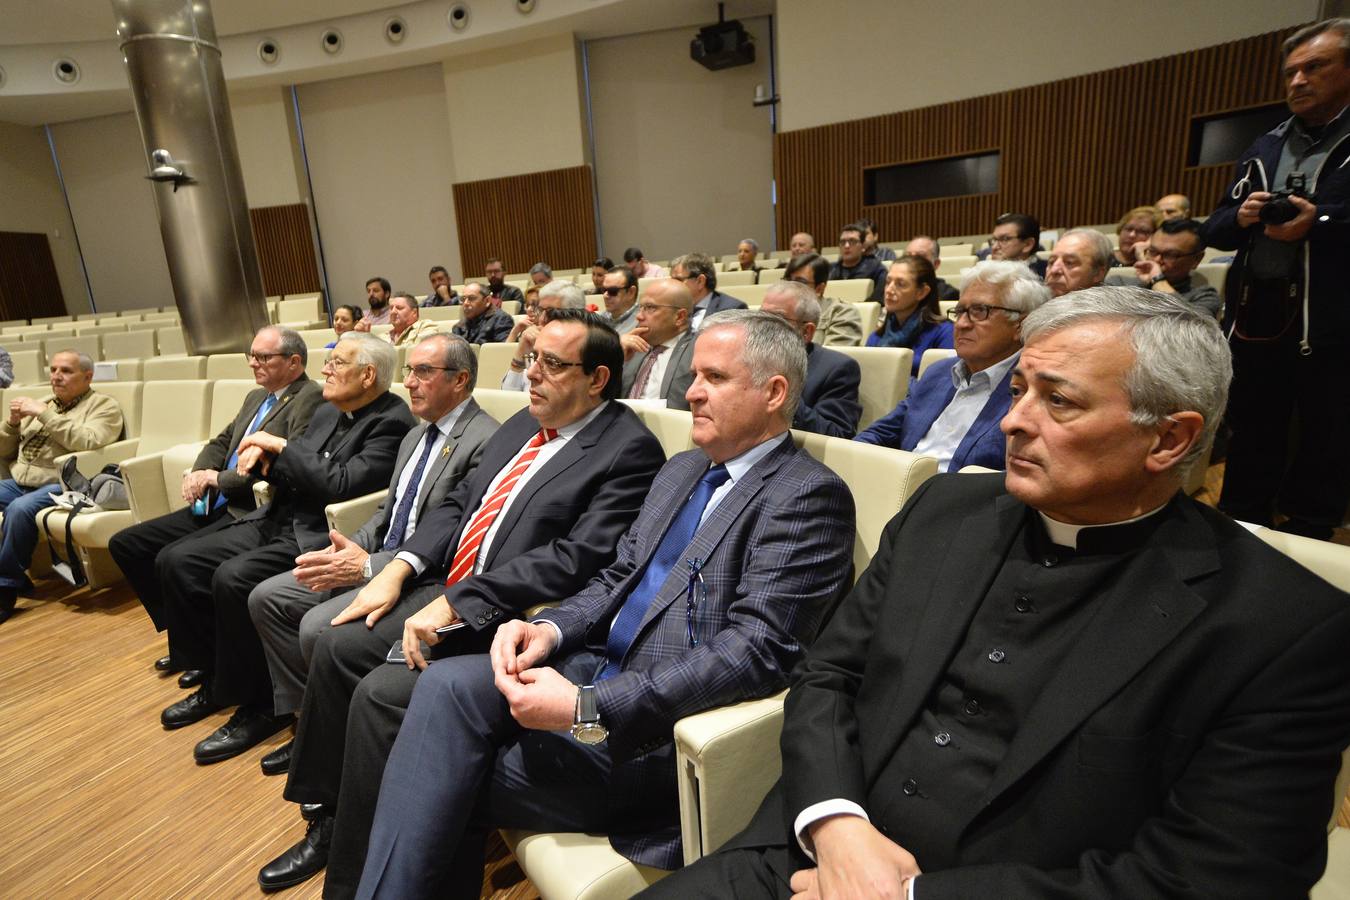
953 411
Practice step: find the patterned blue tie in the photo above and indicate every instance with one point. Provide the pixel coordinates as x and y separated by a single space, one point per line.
673 545
263 410
405 504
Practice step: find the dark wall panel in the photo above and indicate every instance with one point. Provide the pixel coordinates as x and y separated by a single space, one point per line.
285 249
29 285
523 219
1074 152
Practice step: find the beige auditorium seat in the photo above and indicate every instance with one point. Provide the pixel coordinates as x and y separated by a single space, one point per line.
316 338
48 320
170 412
752 295
885 379
118 370
129 345
349 515
23 330
315 361
512 307
932 355
952 265
399 390
91 344
105 326
174 368
170 340
1214 273
733 279
301 308
228 365
870 313
672 427
494 360
499 404
29 366
849 289
448 314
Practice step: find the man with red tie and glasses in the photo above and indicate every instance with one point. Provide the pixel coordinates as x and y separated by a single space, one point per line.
557 486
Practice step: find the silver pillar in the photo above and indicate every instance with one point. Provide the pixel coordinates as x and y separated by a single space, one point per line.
173 63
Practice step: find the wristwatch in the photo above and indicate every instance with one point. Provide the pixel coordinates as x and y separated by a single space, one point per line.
1156 278
586 725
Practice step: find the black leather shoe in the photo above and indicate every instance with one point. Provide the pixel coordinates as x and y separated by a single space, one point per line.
164 664
311 811
303 861
8 598
191 678
278 762
246 728
192 708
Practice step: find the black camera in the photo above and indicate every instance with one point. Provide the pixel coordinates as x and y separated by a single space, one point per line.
1279 208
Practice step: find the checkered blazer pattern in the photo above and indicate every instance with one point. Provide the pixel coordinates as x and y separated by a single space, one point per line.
778 550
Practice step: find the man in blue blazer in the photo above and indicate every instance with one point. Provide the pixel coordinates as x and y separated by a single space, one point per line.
829 402
740 549
952 412
699 275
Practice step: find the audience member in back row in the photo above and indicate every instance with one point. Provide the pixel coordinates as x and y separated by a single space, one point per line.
215 492
481 322
925 246
840 323
802 244
558 485
442 294
599 269
541 273
829 402
1016 237
35 433
1134 230
620 289
377 298
1080 259
953 411
406 318
498 290
1167 265
633 258
658 351
854 263
699 274
1071 680
347 451
1174 206
485 742
870 246
747 251
345 319
912 317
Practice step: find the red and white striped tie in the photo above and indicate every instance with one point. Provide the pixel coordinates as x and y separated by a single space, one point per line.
472 538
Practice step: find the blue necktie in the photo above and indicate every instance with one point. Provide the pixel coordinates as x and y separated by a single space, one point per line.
263 410
673 545
405 504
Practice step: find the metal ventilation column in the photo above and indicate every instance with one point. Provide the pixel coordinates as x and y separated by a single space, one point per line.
178 86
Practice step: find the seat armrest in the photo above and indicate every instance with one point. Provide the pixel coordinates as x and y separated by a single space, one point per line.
727 759
347 516
144 477
262 494
91 461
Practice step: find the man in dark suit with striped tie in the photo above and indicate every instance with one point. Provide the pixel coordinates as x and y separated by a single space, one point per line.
741 548
560 482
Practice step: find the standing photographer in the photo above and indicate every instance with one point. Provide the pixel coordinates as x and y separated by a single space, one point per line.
1288 314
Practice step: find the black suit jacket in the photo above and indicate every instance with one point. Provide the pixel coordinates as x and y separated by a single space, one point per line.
718 301
829 403
309 474
561 529
1186 747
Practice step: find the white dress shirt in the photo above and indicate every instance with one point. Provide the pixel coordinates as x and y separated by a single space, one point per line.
973 391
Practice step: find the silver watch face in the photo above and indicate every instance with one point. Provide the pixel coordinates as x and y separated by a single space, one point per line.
590 732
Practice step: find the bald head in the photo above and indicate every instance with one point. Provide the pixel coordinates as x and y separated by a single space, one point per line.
801 243
924 246
664 310
1174 206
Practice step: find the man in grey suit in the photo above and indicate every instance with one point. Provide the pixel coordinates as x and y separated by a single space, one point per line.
659 350
698 273
215 493
740 549
440 378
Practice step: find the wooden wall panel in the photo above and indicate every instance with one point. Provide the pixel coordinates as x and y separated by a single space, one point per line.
285 249
29 285
523 219
1073 152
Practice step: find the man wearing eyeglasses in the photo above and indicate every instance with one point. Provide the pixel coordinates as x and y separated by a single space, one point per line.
741 547
953 412
840 322
213 491
1017 237
661 371
620 289
558 485
432 460
698 273
854 263
347 451
1168 265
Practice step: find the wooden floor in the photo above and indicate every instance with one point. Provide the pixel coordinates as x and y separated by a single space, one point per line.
97 800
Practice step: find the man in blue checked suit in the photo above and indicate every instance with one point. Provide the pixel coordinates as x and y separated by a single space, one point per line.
739 551
953 412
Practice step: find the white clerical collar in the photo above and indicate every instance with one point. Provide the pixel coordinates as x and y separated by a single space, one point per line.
1066 535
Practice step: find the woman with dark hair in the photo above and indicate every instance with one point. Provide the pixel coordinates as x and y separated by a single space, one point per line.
912 318
345 318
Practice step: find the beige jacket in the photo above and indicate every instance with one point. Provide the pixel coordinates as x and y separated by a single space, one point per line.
95 421
414 333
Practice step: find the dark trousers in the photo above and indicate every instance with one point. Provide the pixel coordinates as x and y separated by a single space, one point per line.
1290 416
134 550
242 674
460 765
741 874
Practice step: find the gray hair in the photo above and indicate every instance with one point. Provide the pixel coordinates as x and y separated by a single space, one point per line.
1017 285
541 268
456 354
572 296
1181 360
754 244
290 342
1099 245
805 306
86 362
772 347
375 352
1341 26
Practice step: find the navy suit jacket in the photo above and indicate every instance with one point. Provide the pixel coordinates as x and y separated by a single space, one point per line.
829 403
778 552
903 427
562 527
718 301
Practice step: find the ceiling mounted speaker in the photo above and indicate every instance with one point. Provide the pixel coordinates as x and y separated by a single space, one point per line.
66 71
395 30
524 7
458 17
269 51
331 41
